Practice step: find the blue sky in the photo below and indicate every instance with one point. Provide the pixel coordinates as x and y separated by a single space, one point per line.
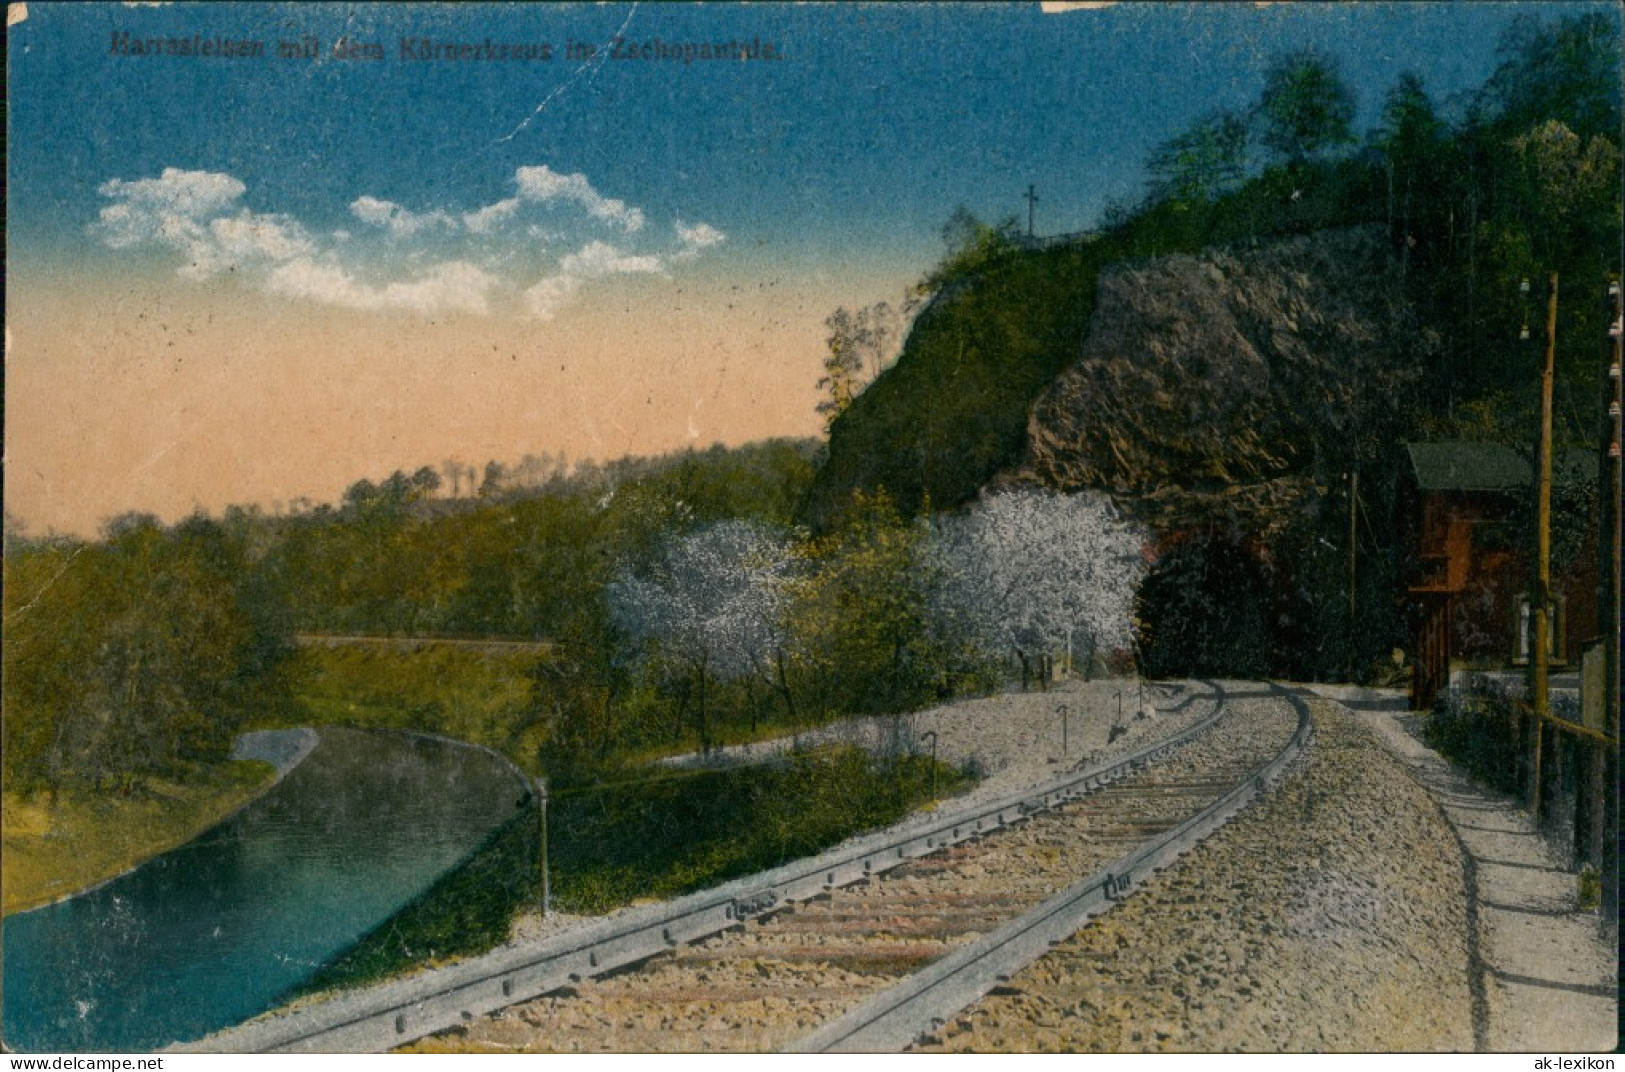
875 125
562 200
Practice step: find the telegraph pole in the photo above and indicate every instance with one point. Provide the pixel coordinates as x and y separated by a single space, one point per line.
1606 823
1354 497
1538 660
1032 199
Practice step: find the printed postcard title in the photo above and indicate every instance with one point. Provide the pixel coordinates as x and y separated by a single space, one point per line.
417 49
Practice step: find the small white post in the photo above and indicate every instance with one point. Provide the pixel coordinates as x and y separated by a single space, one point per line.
547 892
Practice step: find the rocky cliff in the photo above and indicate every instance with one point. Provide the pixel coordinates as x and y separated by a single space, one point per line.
1223 387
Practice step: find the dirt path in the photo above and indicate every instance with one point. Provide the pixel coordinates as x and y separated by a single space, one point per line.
1546 971
1011 735
323 640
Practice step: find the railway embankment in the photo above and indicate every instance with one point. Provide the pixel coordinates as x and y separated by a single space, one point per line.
1014 740
767 984
1332 915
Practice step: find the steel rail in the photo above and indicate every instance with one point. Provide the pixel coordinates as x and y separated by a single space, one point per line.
895 1018
392 1014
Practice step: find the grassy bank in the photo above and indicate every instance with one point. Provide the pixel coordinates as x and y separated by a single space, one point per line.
475 695
676 831
655 835
55 848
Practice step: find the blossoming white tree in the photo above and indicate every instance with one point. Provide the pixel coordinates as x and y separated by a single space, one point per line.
1027 570
713 602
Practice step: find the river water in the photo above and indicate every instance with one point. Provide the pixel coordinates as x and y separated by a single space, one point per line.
225 927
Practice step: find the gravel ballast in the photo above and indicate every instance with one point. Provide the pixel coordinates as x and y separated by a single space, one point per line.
1330 916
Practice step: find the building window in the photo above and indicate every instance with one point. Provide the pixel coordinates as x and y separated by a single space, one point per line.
1555 620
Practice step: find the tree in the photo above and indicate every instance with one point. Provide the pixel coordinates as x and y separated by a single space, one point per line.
1413 142
1026 570
859 347
455 472
492 485
842 366
1203 162
972 247
423 484
1411 130
1566 70
1305 109
132 657
360 495
1522 190
1570 189
711 603
859 612
390 499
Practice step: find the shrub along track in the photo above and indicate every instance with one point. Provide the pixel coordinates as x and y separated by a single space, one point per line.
944 925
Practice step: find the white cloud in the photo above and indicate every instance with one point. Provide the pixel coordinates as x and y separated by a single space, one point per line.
542 183
187 194
451 286
592 261
169 211
600 259
430 261
249 237
175 210
371 210
550 294
700 236
325 282
401 222
485 219
125 225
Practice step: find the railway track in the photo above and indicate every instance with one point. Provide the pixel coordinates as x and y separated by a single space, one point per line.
860 949
1164 815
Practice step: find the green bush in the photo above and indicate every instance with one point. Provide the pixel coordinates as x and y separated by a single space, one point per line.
674 832
1477 727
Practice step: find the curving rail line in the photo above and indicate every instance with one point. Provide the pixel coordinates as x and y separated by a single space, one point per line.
895 1018
393 1014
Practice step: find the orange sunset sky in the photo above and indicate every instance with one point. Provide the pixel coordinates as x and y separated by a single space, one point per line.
130 394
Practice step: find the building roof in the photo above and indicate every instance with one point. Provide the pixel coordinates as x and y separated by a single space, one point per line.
1458 466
